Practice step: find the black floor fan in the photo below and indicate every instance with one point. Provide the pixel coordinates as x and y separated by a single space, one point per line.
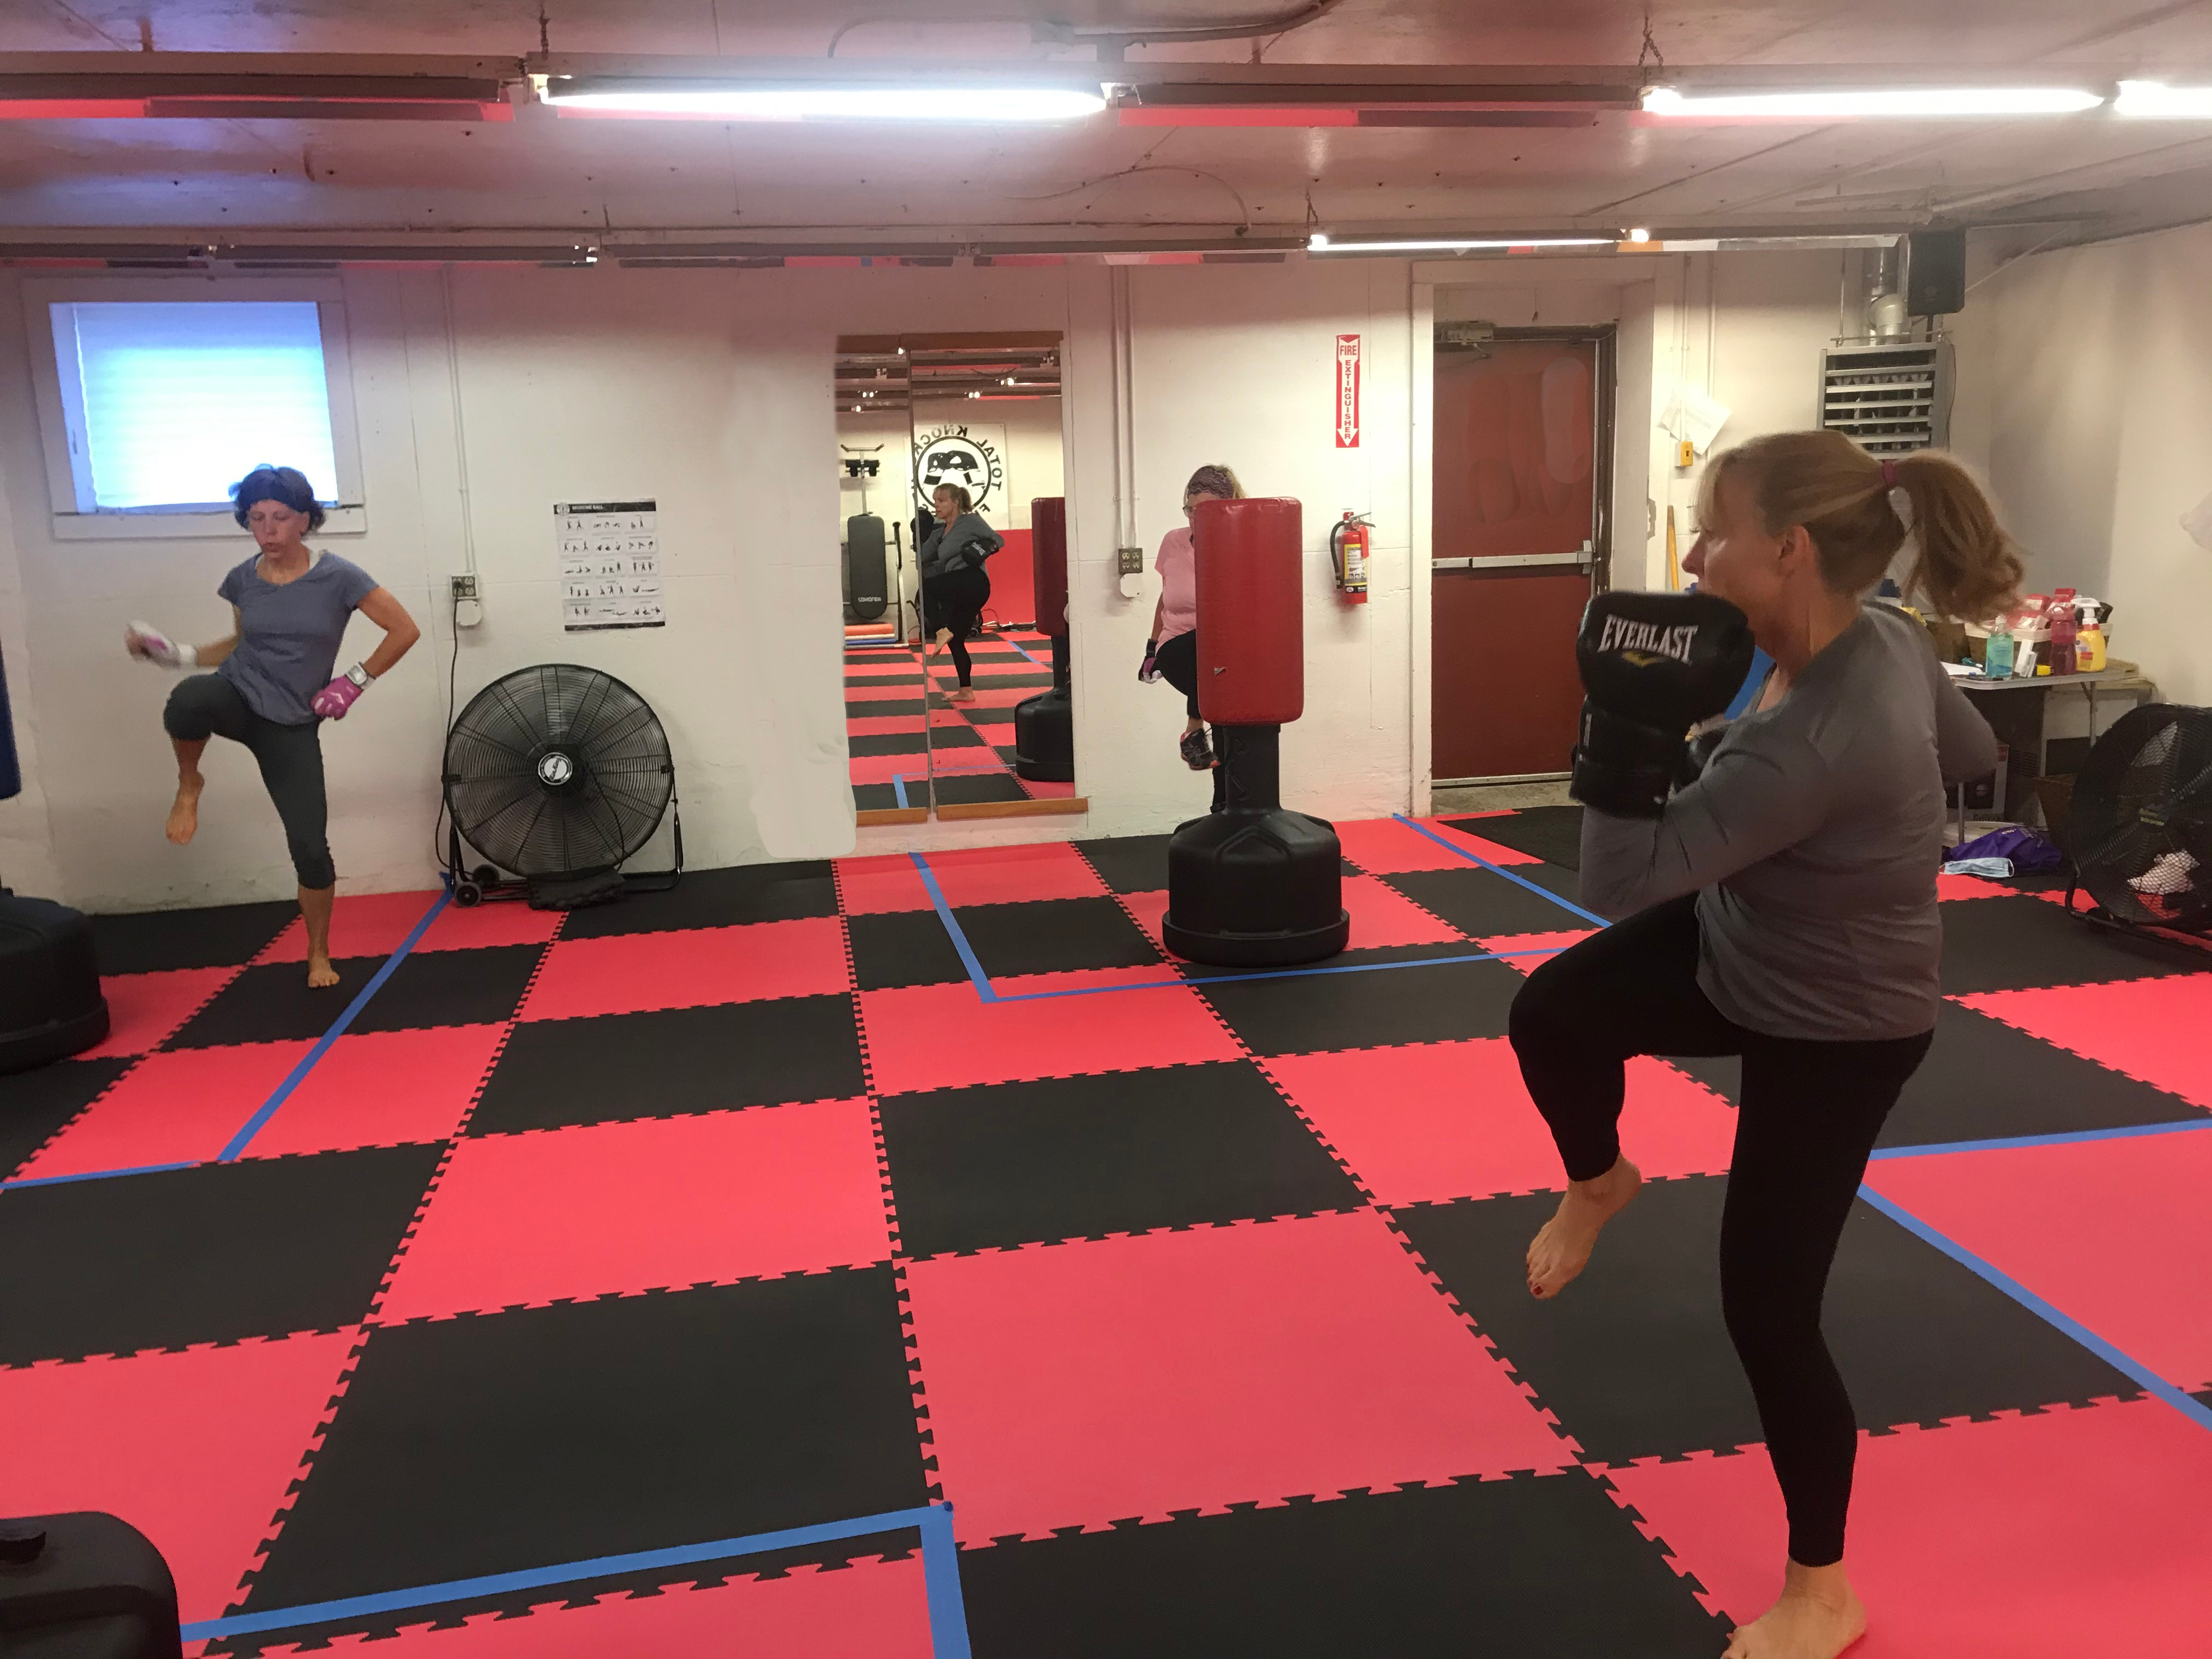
556 775
2139 828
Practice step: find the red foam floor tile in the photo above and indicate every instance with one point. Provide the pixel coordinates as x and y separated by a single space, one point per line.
881 768
1086 979
1003 696
1970 887
880 725
1086 1382
946 1036
381 1089
2157 1030
1438 1121
641 1205
1381 917
196 1449
2115 1234
881 691
143 1010
1013 875
2046 1537
178 1108
1526 952
872 1609
362 924
875 886
691 968
1384 847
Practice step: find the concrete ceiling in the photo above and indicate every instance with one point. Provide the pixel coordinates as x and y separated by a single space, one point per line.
542 175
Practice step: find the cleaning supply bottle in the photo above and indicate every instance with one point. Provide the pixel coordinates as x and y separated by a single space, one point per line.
2065 632
2089 647
1998 653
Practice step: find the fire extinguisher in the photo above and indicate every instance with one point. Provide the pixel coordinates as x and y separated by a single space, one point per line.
1347 548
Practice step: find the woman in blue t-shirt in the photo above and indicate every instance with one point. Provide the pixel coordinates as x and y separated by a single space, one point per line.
273 682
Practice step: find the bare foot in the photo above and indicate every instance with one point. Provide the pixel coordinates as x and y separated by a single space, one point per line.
1561 1246
965 694
1818 1616
184 814
320 975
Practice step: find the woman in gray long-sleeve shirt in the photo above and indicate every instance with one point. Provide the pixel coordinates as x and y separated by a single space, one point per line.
1783 908
954 587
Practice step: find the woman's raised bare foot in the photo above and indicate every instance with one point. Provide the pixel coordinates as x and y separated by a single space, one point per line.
1817 1617
185 813
1561 1246
320 975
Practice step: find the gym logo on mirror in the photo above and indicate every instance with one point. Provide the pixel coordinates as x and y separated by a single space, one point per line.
955 455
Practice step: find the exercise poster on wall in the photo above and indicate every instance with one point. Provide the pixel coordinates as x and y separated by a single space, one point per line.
610 565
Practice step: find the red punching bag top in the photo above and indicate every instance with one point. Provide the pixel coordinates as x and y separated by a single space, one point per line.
1251 610
1049 555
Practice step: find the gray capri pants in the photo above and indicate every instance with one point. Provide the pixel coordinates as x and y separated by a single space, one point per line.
290 756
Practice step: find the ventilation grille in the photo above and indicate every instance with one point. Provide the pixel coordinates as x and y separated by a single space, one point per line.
1892 398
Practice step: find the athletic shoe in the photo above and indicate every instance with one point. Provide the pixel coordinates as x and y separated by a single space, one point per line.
1197 752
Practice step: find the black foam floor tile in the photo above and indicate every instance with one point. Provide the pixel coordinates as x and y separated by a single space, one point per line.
223 936
882 708
715 898
1537 1567
1128 863
496 1443
960 737
211 1253
887 743
669 1061
1315 1012
1483 904
1068 1158
479 986
976 788
876 797
2017 943
900 948
1634 1359
1054 936
1554 833
272 1004
35 1103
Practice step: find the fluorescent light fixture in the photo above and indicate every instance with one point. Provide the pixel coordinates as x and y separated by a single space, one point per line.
931 100
1639 234
2153 100
1319 243
1896 101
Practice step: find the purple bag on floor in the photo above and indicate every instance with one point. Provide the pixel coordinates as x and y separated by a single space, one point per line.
2029 852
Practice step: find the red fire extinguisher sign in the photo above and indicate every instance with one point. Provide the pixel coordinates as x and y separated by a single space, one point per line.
1347 391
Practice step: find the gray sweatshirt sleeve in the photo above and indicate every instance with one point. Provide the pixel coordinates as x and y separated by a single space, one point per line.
1763 792
1965 748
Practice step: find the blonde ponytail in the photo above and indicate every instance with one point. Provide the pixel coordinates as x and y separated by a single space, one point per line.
1963 562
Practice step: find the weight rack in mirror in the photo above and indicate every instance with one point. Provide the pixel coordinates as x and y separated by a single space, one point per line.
957 688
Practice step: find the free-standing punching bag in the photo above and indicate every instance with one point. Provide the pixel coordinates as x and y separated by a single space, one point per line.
1044 725
51 1005
1252 886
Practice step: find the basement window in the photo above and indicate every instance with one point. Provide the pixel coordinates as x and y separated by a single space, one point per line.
158 401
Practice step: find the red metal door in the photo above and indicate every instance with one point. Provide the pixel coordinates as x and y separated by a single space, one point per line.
1515 523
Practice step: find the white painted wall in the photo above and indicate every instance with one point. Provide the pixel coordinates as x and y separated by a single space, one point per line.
2099 434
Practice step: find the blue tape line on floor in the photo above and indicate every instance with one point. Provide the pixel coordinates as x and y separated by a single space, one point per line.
2143 1376
88 1175
2058 1138
606 1566
1499 869
1273 973
253 1126
975 974
940 1578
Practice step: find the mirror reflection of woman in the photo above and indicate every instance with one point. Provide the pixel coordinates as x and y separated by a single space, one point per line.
274 682
954 587
1171 654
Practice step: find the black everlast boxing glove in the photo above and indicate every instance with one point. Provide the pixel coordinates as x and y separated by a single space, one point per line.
1653 665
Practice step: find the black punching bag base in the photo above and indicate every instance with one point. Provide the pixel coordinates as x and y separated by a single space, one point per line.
1044 737
1255 888
51 1005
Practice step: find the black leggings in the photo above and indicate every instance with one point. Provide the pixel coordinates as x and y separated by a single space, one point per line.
1177 660
291 759
955 601
1806 1121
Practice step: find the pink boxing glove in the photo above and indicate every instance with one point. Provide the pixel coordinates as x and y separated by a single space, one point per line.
332 703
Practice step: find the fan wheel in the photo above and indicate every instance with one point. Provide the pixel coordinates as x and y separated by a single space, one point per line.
467 894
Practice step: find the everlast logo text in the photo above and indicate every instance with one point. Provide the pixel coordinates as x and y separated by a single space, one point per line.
1632 638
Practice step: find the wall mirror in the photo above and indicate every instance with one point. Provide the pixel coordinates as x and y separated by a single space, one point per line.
957 684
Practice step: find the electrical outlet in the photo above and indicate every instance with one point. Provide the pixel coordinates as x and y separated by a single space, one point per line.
1132 561
465 588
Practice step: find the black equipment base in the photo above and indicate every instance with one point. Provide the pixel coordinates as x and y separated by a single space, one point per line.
1044 727
51 1005
1253 885
85 1584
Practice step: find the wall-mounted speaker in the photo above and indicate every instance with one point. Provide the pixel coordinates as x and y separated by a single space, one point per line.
1935 272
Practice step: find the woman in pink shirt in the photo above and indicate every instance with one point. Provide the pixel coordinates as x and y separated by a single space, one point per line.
1172 652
